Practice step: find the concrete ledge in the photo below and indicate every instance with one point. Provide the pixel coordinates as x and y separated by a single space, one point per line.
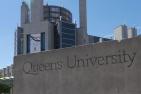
102 68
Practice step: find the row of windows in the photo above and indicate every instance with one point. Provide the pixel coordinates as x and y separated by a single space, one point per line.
66 45
67 25
54 9
59 9
59 12
58 15
69 36
55 12
68 31
67 41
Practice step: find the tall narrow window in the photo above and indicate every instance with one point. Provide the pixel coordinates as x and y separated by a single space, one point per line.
28 43
43 41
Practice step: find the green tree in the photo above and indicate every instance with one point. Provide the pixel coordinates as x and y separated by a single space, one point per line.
4 88
0 76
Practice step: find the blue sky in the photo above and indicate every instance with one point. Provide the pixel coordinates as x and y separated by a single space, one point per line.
103 17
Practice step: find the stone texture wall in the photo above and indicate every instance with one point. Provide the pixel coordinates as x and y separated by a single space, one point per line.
104 68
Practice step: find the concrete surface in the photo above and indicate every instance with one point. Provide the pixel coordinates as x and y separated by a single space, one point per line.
102 68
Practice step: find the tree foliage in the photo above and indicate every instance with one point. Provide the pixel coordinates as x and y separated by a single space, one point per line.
0 76
4 88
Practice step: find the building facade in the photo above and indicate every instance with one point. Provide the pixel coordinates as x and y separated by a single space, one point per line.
123 32
7 72
44 27
96 39
47 27
54 14
67 33
132 32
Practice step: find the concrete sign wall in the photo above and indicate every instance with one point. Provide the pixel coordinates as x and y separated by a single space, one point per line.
103 68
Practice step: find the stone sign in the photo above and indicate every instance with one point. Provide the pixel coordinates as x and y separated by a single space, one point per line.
103 68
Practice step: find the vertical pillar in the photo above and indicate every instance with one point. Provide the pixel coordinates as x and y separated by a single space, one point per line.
83 20
36 11
24 14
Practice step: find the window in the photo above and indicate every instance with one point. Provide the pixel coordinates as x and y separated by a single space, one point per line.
67 41
69 36
43 41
